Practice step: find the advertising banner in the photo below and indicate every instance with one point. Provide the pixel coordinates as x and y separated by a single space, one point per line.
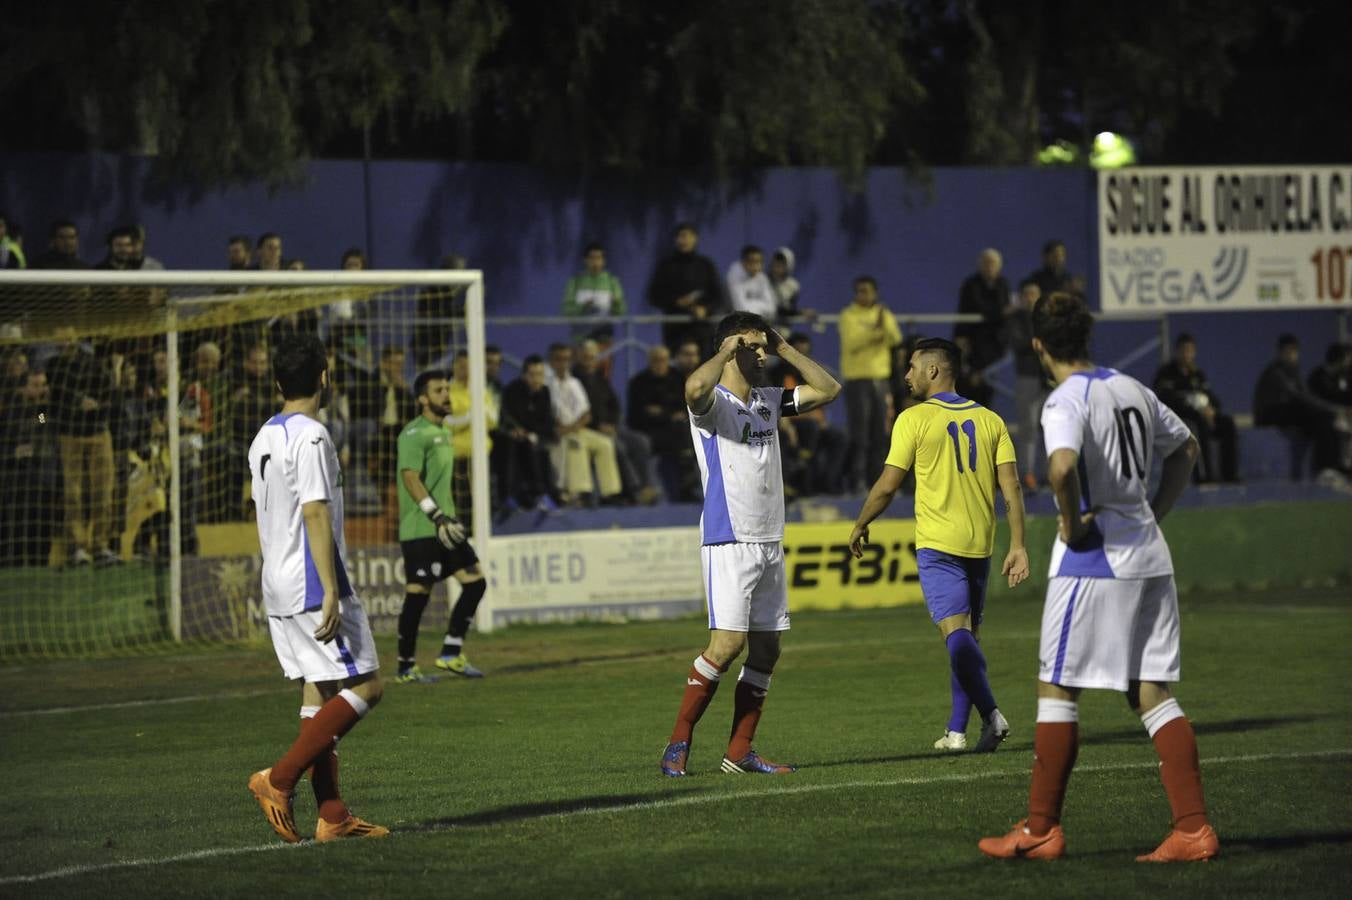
822 574
1198 239
560 576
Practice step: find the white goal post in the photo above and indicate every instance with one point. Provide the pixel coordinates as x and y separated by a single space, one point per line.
182 295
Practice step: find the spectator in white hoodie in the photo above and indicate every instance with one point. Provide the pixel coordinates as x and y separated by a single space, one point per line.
749 287
787 288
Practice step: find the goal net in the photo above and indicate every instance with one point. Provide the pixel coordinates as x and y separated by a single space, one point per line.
128 405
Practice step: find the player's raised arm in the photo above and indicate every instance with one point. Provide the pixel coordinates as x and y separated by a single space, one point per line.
319 534
819 388
879 496
1174 477
699 387
1015 567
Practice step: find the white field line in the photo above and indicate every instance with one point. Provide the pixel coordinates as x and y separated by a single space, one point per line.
789 647
217 852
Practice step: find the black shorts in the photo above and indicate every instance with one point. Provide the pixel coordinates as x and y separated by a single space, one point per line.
427 561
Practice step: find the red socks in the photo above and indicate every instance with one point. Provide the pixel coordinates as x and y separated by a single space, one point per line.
324 780
1055 746
1179 768
701 682
333 720
752 686
1056 743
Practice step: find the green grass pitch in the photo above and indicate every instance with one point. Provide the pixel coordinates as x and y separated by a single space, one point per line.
127 776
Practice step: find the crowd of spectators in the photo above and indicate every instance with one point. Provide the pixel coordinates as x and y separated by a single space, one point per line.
84 430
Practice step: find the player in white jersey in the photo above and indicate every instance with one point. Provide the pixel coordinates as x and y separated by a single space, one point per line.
734 424
319 629
1111 616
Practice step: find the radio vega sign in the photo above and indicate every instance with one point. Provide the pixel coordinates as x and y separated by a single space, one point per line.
1225 238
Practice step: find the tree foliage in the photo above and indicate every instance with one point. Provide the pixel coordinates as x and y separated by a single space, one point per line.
231 90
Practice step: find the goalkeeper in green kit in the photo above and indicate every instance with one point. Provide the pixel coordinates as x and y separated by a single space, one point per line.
433 540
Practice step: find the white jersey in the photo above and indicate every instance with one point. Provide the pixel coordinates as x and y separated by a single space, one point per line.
293 462
1117 426
737 445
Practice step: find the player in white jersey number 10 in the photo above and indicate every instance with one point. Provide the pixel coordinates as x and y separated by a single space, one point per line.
1111 616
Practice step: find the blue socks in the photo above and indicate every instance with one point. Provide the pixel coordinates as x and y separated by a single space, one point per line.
969 670
962 706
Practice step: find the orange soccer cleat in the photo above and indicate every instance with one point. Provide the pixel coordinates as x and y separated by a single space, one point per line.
1020 843
1179 846
277 806
351 827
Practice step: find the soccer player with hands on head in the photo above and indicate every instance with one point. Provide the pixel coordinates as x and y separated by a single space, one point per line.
1110 620
433 541
734 418
318 626
960 450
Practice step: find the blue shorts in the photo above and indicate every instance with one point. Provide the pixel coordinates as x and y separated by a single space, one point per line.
953 585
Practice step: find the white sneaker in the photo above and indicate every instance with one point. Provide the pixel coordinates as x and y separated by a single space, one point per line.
993 731
952 740
81 557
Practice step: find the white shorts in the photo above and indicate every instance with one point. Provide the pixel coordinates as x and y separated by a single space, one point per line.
1106 632
744 587
351 653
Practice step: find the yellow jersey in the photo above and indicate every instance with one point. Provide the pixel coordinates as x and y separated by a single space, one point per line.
459 424
954 446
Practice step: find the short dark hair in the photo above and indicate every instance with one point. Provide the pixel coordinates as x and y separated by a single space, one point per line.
492 348
1063 323
121 231
267 236
1027 281
60 224
532 360
390 349
424 379
866 279
738 323
593 245
297 362
799 337
1184 338
684 226
1051 245
1287 340
351 253
750 249
1335 352
951 353
239 239
556 347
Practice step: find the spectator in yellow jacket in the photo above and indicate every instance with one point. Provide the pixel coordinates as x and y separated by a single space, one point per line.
868 332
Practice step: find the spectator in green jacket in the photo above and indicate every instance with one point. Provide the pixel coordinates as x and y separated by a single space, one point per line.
594 292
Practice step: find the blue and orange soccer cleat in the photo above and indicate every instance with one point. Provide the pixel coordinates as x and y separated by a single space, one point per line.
673 759
754 764
458 665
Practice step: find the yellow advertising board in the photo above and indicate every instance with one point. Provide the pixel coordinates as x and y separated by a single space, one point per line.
823 574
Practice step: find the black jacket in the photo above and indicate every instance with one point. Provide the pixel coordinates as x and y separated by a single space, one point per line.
533 411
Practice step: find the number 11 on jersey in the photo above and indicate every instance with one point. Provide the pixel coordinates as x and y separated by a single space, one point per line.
969 429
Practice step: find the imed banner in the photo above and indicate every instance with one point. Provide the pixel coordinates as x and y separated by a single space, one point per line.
1211 238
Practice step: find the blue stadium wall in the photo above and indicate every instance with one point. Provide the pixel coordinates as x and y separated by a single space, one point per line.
525 228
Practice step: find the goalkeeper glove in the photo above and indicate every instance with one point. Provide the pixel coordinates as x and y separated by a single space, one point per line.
450 531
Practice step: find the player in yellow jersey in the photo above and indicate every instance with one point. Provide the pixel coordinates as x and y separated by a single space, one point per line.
959 450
